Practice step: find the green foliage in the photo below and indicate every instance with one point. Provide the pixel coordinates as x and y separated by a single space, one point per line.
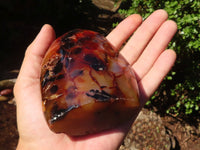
182 85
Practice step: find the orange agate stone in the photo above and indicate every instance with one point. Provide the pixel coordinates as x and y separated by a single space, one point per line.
87 87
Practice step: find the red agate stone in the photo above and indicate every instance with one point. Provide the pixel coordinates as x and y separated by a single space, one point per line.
87 87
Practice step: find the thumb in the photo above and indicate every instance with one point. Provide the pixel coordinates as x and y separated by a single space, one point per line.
27 87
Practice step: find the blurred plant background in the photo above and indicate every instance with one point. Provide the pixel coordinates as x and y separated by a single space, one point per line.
179 94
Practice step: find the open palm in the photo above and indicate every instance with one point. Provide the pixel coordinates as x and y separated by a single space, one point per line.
145 51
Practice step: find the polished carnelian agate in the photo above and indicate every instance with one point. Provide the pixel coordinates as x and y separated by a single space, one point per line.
87 87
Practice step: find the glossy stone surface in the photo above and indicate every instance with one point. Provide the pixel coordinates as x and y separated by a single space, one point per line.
86 86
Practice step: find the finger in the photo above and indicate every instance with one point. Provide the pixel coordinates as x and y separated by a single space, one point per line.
35 52
41 43
156 46
135 46
124 30
27 87
152 80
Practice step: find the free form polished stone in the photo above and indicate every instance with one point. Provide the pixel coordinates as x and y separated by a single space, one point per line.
87 87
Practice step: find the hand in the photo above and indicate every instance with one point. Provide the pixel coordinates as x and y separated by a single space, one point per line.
145 51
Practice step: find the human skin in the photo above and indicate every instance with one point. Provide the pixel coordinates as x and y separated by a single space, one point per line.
145 50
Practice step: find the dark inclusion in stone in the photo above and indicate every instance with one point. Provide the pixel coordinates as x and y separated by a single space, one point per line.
99 95
57 114
54 89
46 74
67 43
62 52
45 81
94 62
77 50
47 78
58 67
61 76
84 39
